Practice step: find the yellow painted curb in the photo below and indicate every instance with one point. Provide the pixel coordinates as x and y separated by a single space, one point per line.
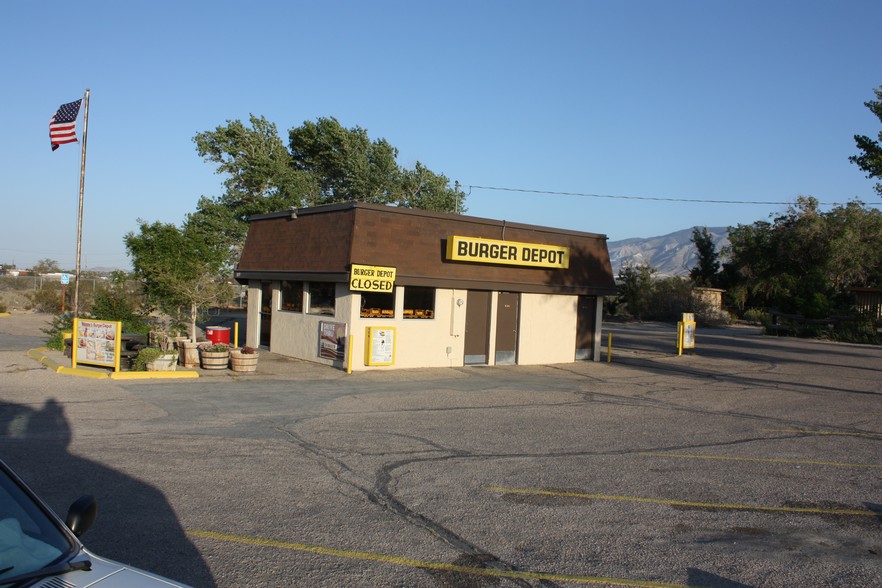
81 372
4 314
39 354
153 375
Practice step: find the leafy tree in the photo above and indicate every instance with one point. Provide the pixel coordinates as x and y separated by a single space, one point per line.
180 271
805 261
255 162
635 288
220 226
422 188
345 163
46 266
854 257
260 178
118 278
705 271
114 305
669 298
324 163
870 159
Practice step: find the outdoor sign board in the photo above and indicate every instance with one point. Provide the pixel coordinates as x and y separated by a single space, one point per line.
478 250
371 278
686 332
379 347
96 343
332 340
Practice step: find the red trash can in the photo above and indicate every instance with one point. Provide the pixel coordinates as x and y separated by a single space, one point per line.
218 334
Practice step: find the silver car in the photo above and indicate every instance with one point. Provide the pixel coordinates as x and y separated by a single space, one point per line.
38 549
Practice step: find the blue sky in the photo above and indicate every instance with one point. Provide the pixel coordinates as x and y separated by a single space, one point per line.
753 101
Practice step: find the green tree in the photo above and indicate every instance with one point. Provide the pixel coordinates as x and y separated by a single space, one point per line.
870 159
635 288
854 257
345 163
805 260
114 305
255 162
705 271
324 163
260 178
422 188
46 266
181 272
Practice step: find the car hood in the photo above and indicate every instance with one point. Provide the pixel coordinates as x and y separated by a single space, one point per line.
106 573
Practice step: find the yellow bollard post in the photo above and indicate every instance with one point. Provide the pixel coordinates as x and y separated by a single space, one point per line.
236 334
609 348
680 338
349 354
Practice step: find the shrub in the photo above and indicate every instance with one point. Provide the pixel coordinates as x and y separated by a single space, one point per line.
61 323
145 356
46 299
112 305
668 299
757 316
859 330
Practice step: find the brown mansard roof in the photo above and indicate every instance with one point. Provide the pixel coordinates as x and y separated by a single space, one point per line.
320 243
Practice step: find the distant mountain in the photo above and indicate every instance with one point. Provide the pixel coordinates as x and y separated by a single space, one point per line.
670 255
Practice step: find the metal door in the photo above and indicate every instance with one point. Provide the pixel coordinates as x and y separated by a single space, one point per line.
477 328
266 312
586 325
507 328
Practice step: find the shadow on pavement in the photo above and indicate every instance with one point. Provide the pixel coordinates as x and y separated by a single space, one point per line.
135 524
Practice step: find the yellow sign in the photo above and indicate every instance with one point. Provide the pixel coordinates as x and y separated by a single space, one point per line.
372 278
379 348
685 335
477 250
96 342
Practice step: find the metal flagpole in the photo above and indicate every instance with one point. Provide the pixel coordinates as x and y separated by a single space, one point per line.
76 301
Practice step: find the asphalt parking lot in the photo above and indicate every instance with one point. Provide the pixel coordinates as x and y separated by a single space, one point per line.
751 461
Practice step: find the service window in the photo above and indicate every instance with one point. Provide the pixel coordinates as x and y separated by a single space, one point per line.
321 298
419 302
377 305
292 297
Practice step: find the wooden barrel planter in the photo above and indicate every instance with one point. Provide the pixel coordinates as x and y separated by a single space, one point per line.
243 362
189 354
214 360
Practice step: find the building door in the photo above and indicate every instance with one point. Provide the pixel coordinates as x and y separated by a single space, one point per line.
586 325
477 328
507 328
266 312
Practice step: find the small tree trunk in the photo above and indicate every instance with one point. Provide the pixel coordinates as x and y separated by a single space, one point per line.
194 310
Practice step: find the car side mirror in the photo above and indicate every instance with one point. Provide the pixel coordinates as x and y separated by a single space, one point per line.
81 515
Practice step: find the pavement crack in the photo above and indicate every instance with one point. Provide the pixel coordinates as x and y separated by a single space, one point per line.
381 495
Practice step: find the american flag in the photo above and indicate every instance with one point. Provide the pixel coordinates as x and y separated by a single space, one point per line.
62 127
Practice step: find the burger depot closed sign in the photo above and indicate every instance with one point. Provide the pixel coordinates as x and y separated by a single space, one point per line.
371 278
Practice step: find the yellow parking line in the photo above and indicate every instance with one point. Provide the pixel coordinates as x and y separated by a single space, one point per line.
839 433
562 494
429 565
764 459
